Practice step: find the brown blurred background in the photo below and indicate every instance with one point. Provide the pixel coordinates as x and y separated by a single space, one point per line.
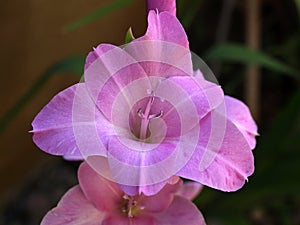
32 38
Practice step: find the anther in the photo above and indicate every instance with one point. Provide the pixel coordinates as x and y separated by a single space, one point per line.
158 115
140 113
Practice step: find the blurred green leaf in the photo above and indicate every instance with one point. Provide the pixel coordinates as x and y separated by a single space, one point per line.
241 54
73 64
97 14
129 36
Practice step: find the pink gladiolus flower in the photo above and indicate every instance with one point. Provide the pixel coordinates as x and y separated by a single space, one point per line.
143 114
99 201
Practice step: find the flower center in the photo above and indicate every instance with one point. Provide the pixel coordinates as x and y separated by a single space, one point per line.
130 207
146 117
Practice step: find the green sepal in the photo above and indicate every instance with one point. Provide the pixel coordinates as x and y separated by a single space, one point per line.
129 36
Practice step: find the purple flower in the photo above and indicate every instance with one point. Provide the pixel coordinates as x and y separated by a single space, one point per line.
142 115
99 201
162 6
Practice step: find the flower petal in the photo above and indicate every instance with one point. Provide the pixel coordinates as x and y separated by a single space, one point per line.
204 95
137 170
144 171
161 6
52 127
169 46
122 220
148 190
189 190
74 208
181 211
223 158
108 77
161 58
164 197
165 27
240 115
115 172
70 117
96 53
76 156
105 195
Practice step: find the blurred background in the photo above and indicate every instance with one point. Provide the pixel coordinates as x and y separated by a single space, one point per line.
252 46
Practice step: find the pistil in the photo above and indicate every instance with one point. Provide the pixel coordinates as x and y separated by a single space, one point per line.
146 117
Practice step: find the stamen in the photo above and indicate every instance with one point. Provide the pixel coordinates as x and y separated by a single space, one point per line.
126 197
130 207
140 113
130 213
158 115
